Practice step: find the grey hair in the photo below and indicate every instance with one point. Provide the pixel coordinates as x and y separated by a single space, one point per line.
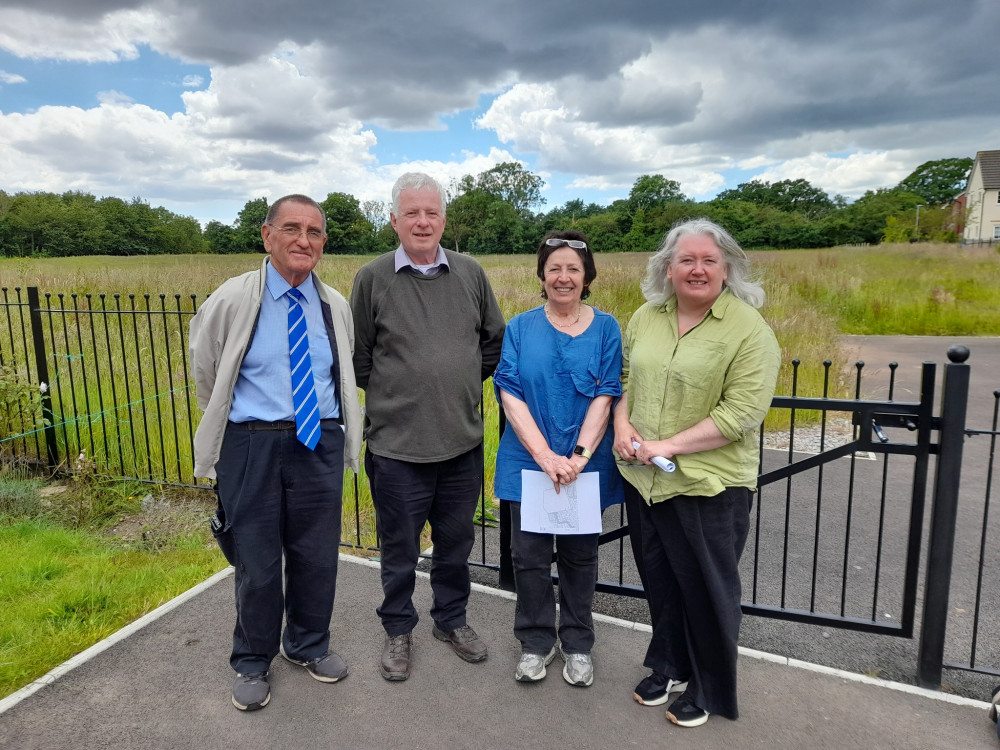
415 181
657 288
272 211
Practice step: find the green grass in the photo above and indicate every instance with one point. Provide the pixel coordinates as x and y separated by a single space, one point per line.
65 582
917 290
62 590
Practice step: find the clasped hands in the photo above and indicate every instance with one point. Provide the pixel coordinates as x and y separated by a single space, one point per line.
562 470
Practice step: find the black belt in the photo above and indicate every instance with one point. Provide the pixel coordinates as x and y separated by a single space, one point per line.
257 425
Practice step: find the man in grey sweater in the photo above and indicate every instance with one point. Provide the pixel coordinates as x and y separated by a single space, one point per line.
428 332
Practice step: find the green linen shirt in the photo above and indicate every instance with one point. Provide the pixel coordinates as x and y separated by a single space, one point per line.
726 368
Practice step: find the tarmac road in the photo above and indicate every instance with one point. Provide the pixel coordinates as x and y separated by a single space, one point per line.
166 686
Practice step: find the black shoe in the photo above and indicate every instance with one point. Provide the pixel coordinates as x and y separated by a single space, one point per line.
464 641
251 691
656 689
395 664
684 713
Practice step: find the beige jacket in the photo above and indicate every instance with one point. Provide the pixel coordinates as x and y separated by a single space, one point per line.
219 339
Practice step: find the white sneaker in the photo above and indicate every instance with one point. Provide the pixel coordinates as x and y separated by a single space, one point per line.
579 669
531 668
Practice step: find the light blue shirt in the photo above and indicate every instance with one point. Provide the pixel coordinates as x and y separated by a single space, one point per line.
264 386
402 260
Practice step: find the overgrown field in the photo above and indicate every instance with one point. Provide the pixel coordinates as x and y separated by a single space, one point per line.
76 566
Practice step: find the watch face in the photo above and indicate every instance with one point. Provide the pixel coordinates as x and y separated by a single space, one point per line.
578 450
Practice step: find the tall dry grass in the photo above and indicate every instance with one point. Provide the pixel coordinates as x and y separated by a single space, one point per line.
812 297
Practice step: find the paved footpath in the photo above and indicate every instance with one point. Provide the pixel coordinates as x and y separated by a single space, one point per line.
165 684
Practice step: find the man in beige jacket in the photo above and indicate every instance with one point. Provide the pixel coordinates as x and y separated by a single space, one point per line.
271 357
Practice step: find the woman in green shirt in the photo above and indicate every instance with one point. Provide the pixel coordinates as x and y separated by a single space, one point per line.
700 367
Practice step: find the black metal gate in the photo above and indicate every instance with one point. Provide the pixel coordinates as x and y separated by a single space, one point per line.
837 537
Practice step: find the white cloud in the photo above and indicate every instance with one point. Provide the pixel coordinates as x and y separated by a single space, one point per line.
850 97
848 175
10 78
42 36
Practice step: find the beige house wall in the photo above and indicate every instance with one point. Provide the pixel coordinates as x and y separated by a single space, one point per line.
983 209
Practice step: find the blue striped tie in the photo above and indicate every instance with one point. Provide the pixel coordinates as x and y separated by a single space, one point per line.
307 427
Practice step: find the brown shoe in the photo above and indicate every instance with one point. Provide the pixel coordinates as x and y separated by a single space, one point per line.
395 664
465 642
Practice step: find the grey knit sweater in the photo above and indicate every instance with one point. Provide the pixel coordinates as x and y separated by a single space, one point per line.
423 347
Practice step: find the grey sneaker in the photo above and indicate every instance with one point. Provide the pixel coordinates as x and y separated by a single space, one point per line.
251 691
330 667
531 668
579 669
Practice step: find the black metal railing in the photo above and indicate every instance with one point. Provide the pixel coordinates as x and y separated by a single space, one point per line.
838 523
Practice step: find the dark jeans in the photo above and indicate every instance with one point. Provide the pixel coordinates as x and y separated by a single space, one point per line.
407 496
282 500
535 617
690 550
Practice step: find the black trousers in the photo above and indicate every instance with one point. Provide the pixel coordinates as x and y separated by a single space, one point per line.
535 617
407 496
282 500
690 552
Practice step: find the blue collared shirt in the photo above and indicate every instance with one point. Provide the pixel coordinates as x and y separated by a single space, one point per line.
402 260
264 386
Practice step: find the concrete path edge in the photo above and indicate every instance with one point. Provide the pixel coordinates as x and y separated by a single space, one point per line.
84 656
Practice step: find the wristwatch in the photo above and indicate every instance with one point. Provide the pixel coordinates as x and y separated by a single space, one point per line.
581 451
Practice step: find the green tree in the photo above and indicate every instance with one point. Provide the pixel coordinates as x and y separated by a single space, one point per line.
509 182
181 234
246 231
347 230
785 195
652 191
863 222
603 231
46 224
220 237
938 182
466 216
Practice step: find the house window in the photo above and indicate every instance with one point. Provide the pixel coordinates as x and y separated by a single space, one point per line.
996 233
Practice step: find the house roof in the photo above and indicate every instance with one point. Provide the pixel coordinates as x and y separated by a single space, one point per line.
989 163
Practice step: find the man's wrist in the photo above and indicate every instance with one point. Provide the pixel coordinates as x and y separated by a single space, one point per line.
582 452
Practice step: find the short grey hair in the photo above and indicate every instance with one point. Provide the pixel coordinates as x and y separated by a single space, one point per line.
657 288
272 211
415 181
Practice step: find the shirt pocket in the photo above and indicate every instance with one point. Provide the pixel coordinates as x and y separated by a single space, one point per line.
695 383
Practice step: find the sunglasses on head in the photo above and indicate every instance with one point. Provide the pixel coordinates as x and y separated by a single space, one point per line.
559 242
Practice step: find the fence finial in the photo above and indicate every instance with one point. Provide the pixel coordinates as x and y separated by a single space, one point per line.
958 353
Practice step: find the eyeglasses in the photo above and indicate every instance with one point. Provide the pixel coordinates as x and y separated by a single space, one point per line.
559 242
293 233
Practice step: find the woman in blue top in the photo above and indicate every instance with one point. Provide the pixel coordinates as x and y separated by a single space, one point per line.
558 377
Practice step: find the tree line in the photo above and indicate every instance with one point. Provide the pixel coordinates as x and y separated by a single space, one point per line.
500 211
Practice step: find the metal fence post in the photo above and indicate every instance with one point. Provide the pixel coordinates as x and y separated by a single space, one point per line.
42 368
944 510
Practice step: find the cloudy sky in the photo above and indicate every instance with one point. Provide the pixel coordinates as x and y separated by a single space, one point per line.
201 105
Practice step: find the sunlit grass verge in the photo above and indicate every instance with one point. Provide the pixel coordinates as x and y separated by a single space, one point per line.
63 590
82 558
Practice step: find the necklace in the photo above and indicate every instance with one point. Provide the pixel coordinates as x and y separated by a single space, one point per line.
552 319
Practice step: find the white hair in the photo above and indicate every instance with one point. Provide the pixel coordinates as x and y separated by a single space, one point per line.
657 288
415 181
